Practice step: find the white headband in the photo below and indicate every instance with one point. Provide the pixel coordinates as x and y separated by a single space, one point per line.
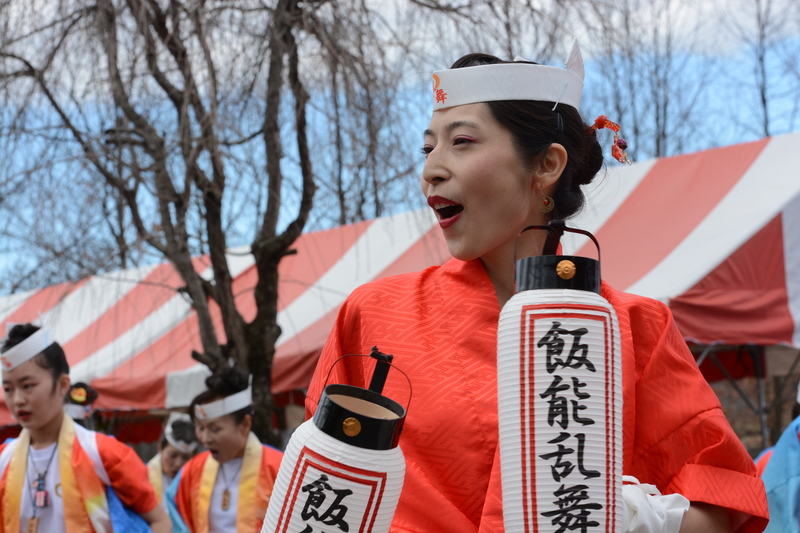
225 406
26 350
510 81
169 434
75 411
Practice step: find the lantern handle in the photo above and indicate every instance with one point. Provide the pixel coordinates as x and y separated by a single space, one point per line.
555 229
382 365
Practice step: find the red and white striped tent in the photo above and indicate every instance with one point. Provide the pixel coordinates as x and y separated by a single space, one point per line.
715 234
130 334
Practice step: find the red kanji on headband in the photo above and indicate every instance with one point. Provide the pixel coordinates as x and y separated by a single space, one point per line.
619 146
440 95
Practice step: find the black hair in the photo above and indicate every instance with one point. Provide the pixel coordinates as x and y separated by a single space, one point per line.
182 430
535 126
225 381
51 358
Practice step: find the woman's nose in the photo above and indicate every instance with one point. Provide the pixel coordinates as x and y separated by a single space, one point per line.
434 170
17 398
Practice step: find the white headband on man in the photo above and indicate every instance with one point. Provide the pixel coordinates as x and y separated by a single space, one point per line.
26 350
510 81
169 434
225 406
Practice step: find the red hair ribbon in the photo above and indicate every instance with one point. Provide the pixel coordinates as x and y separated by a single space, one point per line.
619 146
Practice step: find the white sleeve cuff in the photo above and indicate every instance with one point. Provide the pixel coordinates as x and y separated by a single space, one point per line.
646 510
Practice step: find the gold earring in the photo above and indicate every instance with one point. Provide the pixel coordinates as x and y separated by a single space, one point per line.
547 204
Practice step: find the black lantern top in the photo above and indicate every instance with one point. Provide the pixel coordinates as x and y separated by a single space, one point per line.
551 271
362 417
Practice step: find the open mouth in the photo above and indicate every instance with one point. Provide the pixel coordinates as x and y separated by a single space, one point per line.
444 207
449 211
23 415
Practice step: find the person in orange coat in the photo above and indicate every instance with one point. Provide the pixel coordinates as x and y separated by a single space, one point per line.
502 155
227 487
57 476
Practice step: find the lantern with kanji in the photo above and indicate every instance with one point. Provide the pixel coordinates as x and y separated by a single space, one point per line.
343 469
560 396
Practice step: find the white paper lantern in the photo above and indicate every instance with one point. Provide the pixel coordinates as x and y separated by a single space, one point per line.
342 470
560 411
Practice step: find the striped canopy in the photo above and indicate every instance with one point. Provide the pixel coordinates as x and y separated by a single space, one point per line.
715 234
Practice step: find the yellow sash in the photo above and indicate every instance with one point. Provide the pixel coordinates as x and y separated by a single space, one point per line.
15 483
209 475
79 483
248 485
155 476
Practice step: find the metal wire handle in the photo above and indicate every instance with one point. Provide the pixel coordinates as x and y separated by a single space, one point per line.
327 377
555 228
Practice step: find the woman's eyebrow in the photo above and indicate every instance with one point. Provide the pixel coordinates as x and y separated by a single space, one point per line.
459 123
453 125
23 379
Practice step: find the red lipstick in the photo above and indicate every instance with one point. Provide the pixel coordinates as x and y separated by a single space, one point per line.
448 211
433 200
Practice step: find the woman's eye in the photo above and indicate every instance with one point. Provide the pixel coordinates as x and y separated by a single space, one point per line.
28 386
462 140
426 149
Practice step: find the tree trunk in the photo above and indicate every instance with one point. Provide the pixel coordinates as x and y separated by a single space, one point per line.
262 334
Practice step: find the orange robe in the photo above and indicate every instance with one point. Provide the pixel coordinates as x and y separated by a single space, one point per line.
190 492
88 463
441 326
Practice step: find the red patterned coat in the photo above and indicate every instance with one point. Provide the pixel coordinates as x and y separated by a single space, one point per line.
441 326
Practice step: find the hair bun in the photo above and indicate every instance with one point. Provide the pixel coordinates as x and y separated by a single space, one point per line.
183 430
227 380
19 333
592 162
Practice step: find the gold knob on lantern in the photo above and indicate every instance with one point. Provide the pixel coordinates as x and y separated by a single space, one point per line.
565 269
351 427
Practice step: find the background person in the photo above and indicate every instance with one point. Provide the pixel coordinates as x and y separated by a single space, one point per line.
781 475
178 444
504 152
58 476
227 487
78 403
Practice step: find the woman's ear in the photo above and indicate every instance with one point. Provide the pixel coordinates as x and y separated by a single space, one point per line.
246 425
550 168
64 384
